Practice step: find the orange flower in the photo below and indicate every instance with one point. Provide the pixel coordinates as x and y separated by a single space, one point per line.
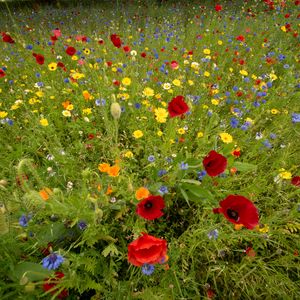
109 190
238 226
142 193
113 171
104 167
86 95
45 193
66 104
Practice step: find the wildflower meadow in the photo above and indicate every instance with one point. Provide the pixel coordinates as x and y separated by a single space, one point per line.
150 149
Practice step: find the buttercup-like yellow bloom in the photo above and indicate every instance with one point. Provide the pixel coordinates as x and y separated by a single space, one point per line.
126 81
148 92
226 137
44 122
137 134
52 66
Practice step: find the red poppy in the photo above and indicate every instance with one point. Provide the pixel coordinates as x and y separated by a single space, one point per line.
40 59
2 73
126 49
147 249
70 50
296 180
61 65
238 210
218 7
143 54
177 107
50 283
240 38
214 163
115 39
151 207
7 38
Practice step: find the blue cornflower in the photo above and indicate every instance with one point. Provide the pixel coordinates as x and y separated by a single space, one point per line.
295 118
82 225
235 88
52 261
183 166
256 104
29 47
163 190
147 269
23 221
151 158
281 57
272 136
267 144
286 66
161 172
137 105
201 174
213 234
234 122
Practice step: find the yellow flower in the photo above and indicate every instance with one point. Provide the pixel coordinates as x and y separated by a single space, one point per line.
52 66
283 28
273 76
66 113
74 57
215 101
44 122
126 81
3 114
137 134
274 111
244 72
285 174
70 107
206 51
161 115
128 154
87 111
148 92
262 228
176 82
254 77
190 82
159 133
87 51
40 94
226 137
200 134
206 74
231 70
181 131
220 42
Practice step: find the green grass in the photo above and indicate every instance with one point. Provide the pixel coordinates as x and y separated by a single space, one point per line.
64 155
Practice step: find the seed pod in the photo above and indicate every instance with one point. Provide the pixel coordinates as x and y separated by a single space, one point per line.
115 110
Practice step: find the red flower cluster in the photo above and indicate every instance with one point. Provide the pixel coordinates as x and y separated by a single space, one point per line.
214 163
2 73
238 210
151 207
177 107
50 283
40 59
7 38
115 39
218 7
70 50
147 249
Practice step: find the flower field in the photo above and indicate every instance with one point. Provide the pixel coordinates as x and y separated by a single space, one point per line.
150 150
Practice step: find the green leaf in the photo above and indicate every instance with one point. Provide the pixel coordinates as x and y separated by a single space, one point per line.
30 271
197 191
110 249
244 167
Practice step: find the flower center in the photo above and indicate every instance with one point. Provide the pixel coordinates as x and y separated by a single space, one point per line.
232 214
52 257
148 205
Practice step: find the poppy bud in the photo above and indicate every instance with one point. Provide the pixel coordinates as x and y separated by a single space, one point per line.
115 110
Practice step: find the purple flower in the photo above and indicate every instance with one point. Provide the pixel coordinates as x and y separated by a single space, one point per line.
295 118
147 269
52 261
